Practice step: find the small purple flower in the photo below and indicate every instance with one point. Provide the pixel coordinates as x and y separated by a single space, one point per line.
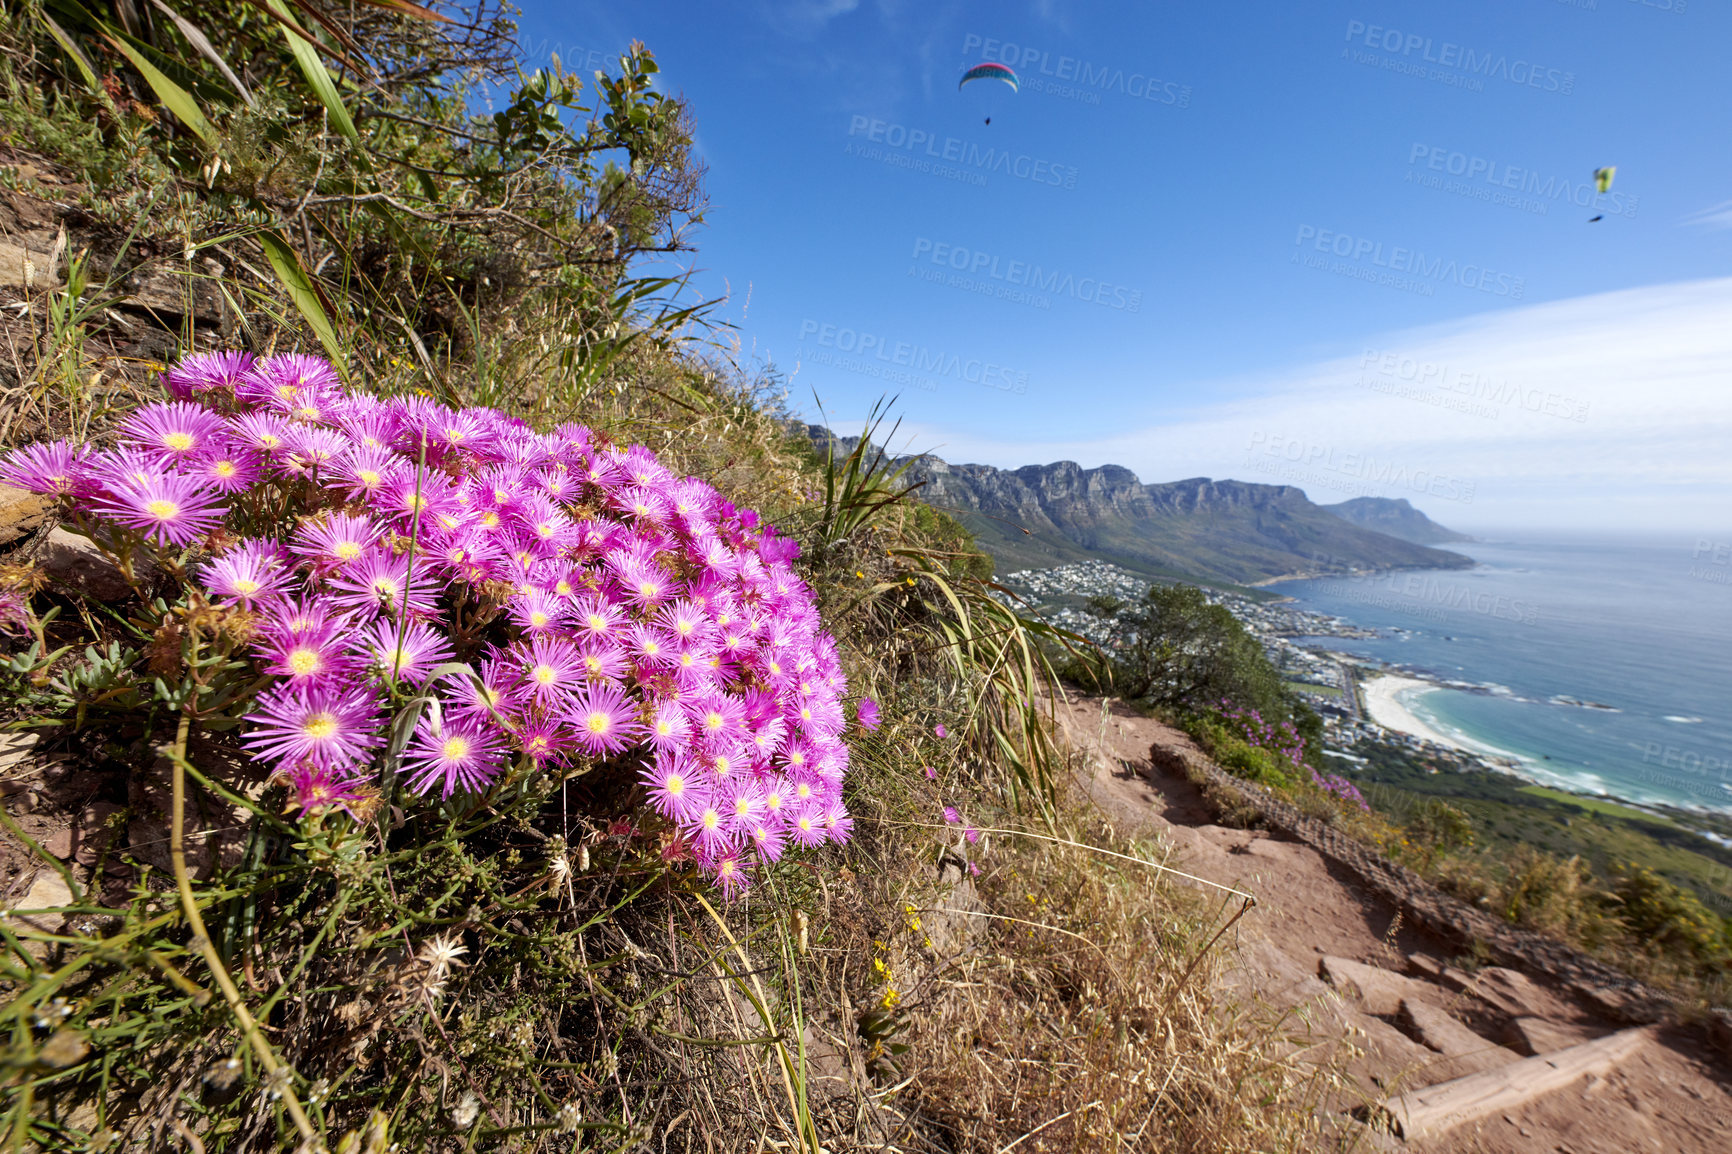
866 713
939 731
972 834
951 816
931 773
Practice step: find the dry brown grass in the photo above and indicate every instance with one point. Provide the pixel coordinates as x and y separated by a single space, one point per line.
1070 998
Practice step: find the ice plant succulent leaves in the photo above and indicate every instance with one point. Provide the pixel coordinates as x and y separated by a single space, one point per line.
501 547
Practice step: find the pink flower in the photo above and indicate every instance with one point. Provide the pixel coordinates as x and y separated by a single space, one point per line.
54 467
866 713
452 756
330 726
168 509
951 816
603 721
972 834
940 731
931 773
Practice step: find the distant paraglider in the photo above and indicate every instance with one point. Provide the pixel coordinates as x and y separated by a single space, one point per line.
990 71
1603 184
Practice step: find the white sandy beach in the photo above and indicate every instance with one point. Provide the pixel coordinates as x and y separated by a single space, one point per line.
1383 702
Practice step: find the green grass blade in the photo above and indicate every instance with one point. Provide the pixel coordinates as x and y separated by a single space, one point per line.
72 49
324 87
303 292
173 97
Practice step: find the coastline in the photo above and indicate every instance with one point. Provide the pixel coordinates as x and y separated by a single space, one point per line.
1384 706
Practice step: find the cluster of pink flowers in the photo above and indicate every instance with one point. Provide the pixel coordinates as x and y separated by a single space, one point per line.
1281 739
640 615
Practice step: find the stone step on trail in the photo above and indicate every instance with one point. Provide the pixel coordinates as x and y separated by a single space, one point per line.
1435 1110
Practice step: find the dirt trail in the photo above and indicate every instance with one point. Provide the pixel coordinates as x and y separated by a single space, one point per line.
1674 1094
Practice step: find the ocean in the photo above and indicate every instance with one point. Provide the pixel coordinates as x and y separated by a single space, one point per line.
1600 665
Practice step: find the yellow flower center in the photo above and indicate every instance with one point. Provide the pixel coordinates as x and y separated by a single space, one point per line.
347 551
712 819
303 661
598 623
179 442
593 664
245 587
319 726
676 784
714 721
225 469
538 618
598 723
649 590
544 674
723 765
773 801
163 510
369 478
456 748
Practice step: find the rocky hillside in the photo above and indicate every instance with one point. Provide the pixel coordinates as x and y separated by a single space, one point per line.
1395 517
1199 529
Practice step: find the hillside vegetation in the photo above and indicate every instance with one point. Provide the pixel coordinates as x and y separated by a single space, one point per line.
201 954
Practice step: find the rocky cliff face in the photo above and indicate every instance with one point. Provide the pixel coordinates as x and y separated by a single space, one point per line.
1198 528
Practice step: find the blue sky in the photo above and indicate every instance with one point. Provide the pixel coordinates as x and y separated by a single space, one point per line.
1342 245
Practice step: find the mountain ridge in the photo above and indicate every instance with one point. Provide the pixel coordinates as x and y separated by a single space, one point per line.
1198 528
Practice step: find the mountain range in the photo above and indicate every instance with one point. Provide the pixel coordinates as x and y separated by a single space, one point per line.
1197 529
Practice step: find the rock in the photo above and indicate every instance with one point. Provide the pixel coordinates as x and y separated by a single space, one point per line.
1379 991
1438 1031
75 562
16 751
1164 759
20 512
92 836
35 248
1720 1031
1426 966
1514 994
1537 1036
47 892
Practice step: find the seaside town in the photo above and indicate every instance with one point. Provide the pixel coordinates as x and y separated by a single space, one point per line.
1328 681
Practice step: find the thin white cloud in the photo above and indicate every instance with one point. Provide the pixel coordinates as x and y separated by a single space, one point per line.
1716 216
1612 410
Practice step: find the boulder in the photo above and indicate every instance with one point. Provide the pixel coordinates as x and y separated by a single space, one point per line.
20 512
1379 991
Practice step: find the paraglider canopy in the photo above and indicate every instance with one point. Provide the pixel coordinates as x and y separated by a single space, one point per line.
990 72
1603 178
